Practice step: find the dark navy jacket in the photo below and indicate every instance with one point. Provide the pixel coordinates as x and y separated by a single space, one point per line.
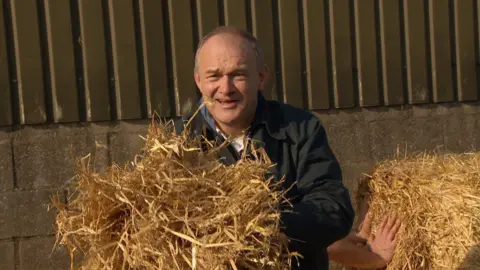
296 142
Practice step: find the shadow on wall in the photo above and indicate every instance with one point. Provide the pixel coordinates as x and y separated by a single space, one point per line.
472 260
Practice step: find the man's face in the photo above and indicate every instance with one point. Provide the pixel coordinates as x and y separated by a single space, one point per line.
227 75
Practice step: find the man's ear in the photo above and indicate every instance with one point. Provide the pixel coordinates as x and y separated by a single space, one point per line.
264 77
196 76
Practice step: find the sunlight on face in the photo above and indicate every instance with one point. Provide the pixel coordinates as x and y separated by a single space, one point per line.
227 76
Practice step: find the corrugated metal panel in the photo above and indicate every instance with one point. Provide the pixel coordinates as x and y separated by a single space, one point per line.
92 60
182 51
28 62
291 67
367 57
416 51
316 53
391 45
342 66
465 50
442 83
61 62
158 97
5 94
94 70
207 16
477 33
263 29
125 62
235 13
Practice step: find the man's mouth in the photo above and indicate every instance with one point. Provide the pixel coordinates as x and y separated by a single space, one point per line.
227 103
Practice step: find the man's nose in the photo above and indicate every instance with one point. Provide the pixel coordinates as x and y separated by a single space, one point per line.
226 85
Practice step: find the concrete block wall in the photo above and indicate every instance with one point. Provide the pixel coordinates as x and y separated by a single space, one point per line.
361 138
38 161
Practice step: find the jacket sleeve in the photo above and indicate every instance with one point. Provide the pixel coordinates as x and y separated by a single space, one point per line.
324 214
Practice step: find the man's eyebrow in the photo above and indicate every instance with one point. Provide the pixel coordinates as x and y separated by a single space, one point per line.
241 67
212 70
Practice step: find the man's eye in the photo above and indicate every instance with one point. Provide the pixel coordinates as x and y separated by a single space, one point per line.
240 75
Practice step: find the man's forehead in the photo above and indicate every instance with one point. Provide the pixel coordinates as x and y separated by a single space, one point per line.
224 49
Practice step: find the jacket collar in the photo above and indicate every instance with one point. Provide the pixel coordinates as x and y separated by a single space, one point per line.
263 116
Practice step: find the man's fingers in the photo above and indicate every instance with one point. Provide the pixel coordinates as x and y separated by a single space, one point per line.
390 223
366 228
394 230
395 240
364 208
368 219
382 225
371 238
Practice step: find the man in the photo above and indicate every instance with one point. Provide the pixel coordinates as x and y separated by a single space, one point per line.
230 73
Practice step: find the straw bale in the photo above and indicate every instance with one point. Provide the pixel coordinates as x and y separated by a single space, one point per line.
178 207
438 199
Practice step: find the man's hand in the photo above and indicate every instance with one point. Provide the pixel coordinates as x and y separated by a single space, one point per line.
365 227
351 251
385 240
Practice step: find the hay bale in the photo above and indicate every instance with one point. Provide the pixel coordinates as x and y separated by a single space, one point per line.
438 199
177 208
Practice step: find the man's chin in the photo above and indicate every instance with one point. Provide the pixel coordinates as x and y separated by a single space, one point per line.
227 113
227 121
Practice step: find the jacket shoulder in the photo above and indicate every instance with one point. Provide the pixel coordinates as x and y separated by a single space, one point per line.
292 113
296 123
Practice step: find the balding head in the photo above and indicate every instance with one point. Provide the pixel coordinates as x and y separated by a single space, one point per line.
231 32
